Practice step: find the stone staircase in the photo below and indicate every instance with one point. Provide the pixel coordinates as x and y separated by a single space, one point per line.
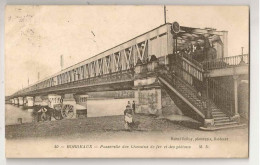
190 96
221 118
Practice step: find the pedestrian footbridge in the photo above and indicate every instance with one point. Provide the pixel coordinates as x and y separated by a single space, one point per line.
188 69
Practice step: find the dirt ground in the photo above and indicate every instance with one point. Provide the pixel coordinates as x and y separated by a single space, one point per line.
40 139
76 127
98 126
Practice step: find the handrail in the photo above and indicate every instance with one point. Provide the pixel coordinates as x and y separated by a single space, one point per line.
220 95
176 81
191 67
184 82
198 64
190 102
226 62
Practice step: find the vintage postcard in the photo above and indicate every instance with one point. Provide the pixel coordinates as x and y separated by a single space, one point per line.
127 81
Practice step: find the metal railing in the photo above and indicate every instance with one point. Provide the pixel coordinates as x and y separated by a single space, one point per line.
188 57
187 71
217 95
220 95
189 92
116 77
226 62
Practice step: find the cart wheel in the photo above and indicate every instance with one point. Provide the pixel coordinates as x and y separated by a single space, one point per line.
67 111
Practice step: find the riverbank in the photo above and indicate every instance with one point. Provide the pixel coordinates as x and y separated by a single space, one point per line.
77 127
85 138
98 126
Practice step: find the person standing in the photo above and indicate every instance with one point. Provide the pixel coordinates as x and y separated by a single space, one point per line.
129 104
42 112
133 107
128 117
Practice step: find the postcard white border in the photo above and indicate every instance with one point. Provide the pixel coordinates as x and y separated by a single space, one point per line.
254 85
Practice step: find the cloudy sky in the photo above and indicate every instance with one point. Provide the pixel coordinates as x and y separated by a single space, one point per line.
36 36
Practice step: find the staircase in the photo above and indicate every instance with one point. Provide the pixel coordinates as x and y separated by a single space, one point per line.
177 87
184 92
221 120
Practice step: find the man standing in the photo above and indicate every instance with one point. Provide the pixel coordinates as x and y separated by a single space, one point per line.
42 112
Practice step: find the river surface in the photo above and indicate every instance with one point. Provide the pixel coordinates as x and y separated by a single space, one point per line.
96 108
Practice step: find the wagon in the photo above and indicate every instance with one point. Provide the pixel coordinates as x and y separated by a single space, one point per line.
58 112
63 111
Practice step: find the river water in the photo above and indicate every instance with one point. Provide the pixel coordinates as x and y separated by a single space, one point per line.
96 108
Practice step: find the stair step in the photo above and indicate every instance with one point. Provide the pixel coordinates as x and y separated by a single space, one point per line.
217 112
222 127
222 121
220 118
227 123
219 115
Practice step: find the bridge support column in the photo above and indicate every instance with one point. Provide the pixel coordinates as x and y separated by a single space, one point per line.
236 116
30 101
53 99
20 101
38 100
25 101
16 102
148 100
81 105
148 94
81 99
41 100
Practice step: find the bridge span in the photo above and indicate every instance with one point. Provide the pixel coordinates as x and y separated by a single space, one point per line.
165 67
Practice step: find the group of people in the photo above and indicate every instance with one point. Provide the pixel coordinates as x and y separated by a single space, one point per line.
128 116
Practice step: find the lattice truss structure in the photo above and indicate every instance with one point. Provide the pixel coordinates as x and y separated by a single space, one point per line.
158 42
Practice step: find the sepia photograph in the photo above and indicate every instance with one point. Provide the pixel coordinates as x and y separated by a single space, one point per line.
132 81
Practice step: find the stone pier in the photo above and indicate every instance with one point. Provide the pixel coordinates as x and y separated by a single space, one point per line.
20 101
30 101
41 100
16 102
53 100
148 96
81 105
81 100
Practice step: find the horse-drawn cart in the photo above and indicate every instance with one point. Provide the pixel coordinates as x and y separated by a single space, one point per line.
58 112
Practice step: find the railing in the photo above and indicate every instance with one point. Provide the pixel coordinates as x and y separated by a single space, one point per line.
115 77
187 71
217 95
220 95
226 62
186 90
188 57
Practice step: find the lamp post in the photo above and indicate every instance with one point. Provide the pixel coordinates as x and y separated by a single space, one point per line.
175 29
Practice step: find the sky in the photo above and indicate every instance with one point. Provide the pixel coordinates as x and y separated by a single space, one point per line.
36 36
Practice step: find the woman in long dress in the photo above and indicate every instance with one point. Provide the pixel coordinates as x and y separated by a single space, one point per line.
128 117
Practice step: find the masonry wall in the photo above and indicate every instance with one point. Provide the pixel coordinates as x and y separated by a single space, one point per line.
168 105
